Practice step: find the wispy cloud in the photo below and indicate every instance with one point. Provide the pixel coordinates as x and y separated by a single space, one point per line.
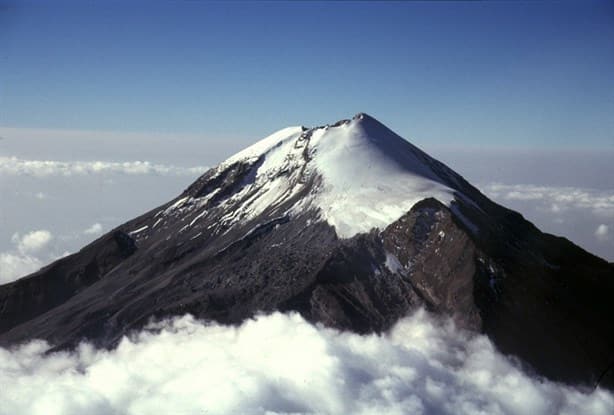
42 168
555 198
179 149
282 364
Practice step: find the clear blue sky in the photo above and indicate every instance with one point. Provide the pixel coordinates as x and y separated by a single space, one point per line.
500 74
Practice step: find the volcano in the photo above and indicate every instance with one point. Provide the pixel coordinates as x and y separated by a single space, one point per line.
347 224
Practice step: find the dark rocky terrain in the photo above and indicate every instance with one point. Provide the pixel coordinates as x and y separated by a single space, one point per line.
537 296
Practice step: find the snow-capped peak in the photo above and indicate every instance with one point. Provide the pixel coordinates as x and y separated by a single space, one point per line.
361 175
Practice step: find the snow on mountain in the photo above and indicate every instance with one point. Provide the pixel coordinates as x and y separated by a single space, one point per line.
368 176
282 226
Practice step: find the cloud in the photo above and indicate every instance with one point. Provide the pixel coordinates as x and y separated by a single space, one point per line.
282 364
25 257
555 198
573 212
602 232
183 149
44 168
95 229
14 265
32 242
69 205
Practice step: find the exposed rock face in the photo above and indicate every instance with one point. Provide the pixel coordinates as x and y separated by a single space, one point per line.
266 231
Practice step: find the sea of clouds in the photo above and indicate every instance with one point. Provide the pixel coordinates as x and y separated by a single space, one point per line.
281 364
582 214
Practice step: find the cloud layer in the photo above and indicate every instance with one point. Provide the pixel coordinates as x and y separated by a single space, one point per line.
281 364
584 215
42 168
556 198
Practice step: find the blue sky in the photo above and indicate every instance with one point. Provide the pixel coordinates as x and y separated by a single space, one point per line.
476 74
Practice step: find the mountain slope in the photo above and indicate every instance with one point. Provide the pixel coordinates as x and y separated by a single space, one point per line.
348 224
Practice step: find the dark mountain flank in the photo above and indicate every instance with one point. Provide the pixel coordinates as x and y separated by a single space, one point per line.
347 224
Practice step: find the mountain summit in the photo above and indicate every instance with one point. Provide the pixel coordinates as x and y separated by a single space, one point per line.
356 173
349 225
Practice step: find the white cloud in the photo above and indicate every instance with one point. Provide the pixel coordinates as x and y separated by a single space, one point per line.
43 168
32 242
572 212
14 265
281 364
95 229
602 232
555 198
26 255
